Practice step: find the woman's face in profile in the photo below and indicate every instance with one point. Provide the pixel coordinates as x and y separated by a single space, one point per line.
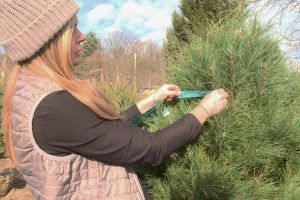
76 48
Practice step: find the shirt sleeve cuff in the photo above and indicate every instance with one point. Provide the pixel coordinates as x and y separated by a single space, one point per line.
130 113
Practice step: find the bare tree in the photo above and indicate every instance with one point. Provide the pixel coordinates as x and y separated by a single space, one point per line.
286 14
152 61
132 60
117 45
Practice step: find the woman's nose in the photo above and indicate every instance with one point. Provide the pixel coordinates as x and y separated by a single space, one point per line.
81 37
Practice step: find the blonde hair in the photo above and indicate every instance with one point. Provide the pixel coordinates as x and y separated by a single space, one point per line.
53 62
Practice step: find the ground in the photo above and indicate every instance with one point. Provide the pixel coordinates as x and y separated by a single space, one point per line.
19 189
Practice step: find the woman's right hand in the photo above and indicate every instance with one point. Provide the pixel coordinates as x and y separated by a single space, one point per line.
210 105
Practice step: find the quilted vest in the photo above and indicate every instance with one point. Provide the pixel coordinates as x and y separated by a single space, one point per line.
71 177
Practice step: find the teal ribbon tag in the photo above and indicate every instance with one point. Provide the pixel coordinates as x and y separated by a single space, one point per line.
192 94
138 121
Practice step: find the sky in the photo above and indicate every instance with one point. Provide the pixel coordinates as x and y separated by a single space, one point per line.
145 19
283 25
149 19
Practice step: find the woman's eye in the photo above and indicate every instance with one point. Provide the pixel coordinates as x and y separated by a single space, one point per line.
75 30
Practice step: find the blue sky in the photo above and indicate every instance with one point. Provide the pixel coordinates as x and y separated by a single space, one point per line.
149 19
146 19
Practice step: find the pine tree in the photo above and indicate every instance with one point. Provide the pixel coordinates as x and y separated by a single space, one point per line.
250 151
91 52
91 44
194 18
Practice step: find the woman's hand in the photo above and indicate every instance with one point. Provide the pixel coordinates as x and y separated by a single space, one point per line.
167 92
214 102
210 105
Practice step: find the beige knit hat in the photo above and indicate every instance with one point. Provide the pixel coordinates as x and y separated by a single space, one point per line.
27 25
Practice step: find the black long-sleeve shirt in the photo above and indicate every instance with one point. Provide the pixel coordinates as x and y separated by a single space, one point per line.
63 125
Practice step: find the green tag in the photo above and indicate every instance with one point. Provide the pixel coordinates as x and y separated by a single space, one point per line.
192 94
138 121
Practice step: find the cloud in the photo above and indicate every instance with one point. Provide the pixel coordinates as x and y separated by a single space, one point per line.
110 29
100 12
143 18
155 35
151 17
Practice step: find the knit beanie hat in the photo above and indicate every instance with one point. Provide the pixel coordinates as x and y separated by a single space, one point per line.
27 25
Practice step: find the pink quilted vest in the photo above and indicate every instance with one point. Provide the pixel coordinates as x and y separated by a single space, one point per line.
70 177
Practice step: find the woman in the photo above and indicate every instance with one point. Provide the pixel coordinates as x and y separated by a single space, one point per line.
65 137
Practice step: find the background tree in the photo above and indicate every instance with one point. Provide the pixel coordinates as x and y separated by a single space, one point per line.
117 46
92 53
128 59
193 19
91 44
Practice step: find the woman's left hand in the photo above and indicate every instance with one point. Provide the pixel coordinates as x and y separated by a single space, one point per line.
167 91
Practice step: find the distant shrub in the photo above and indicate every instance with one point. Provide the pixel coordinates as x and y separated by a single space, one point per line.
123 95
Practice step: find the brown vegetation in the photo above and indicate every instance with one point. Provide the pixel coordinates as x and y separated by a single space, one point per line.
123 59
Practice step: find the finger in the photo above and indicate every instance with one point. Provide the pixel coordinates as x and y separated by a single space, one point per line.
173 87
216 95
217 91
224 104
178 90
223 93
226 95
169 98
172 93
